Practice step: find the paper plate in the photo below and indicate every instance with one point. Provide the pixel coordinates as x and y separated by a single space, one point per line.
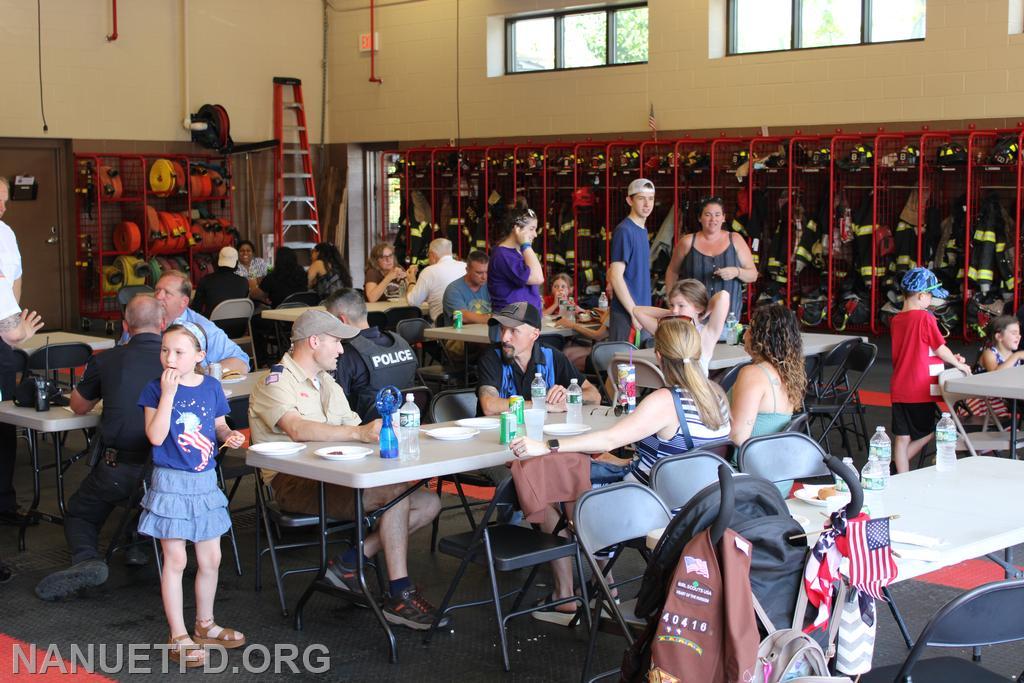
278 448
234 380
343 452
479 422
452 433
809 494
565 429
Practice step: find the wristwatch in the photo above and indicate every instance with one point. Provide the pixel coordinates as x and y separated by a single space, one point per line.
553 445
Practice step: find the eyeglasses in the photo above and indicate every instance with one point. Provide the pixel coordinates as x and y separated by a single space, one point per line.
679 317
387 255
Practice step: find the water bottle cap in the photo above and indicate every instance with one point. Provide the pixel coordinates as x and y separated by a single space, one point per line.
944 414
574 381
536 374
409 397
880 428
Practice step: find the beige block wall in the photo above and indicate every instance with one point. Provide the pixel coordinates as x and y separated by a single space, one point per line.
132 89
969 67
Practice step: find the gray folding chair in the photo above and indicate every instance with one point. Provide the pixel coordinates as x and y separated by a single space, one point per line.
608 517
601 356
679 478
783 456
234 316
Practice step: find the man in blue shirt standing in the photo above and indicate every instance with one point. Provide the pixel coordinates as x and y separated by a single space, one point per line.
630 268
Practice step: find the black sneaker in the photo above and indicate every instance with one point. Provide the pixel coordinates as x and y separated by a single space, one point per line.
342 577
5 572
410 609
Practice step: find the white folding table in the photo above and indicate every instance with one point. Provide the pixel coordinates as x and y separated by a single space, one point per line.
437 458
41 339
290 315
727 356
1006 384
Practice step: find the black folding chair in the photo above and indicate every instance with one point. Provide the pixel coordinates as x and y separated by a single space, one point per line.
504 547
421 396
841 398
554 341
728 378
436 373
986 615
306 298
399 313
446 406
54 358
378 319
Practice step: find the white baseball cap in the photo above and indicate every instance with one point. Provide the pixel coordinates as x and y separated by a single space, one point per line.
640 185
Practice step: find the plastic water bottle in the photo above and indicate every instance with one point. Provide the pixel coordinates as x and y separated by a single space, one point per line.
881 448
574 404
602 301
871 482
945 444
730 329
409 430
538 392
840 482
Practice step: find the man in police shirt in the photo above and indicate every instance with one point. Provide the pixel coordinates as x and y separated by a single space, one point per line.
372 360
299 401
116 377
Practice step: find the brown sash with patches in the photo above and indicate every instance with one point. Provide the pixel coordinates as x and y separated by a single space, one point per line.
707 632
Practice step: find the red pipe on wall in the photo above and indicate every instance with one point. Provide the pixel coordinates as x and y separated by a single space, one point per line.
373 48
113 36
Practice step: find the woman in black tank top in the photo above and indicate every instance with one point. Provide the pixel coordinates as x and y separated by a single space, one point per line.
714 256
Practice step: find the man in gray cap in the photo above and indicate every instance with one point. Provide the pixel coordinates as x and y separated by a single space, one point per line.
630 267
300 401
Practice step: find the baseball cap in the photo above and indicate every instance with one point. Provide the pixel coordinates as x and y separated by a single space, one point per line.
514 315
228 257
923 280
315 322
639 185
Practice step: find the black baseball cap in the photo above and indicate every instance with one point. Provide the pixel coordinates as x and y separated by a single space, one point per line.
514 315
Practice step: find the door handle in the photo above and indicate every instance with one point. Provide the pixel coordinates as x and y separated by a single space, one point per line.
53 239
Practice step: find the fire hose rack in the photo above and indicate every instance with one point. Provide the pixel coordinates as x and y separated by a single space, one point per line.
833 220
139 215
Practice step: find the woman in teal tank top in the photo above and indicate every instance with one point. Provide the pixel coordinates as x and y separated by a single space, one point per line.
769 391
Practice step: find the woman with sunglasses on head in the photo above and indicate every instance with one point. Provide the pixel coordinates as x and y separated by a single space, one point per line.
713 255
384 277
515 271
769 390
689 299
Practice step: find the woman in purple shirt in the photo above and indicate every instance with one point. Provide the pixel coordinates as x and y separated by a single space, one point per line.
515 271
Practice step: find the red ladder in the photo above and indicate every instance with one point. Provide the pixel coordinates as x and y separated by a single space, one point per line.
296 218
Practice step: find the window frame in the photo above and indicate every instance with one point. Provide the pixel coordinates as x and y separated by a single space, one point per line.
559 29
795 28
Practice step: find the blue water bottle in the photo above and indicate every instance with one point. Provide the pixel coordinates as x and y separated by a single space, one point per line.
388 400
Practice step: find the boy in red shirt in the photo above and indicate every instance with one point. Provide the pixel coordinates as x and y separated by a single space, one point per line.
918 354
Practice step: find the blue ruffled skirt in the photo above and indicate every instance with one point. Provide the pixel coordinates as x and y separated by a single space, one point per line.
186 505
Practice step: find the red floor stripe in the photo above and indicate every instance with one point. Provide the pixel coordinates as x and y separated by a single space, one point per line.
878 399
966 575
44 668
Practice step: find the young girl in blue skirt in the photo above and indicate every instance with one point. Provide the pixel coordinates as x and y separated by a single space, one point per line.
184 414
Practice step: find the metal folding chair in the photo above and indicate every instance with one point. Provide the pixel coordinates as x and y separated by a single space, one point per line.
234 316
678 478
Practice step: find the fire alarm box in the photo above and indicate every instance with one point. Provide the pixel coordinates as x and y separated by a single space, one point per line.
24 188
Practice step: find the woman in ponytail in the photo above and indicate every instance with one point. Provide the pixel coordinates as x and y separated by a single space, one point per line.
655 426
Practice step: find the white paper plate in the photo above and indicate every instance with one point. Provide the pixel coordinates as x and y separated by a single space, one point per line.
809 494
234 380
565 429
343 453
278 448
479 422
451 433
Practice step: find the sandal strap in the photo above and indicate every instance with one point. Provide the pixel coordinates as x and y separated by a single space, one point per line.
226 634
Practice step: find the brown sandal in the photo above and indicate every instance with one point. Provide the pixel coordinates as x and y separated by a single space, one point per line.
226 637
194 654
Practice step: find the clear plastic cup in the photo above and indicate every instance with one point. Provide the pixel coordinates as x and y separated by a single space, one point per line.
535 423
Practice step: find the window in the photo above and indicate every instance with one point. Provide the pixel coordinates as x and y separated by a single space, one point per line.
574 40
770 25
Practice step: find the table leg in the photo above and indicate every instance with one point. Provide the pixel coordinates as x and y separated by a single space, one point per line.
33 510
361 574
1013 429
322 571
59 465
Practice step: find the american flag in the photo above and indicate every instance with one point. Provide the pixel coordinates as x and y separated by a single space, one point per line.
822 569
652 123
199 442
872 566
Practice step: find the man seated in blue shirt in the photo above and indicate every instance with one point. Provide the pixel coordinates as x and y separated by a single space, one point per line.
173 291
468 294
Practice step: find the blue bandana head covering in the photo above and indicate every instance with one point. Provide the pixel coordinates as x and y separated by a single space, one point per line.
197 332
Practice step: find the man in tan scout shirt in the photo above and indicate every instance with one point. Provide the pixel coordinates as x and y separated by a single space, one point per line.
300 401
